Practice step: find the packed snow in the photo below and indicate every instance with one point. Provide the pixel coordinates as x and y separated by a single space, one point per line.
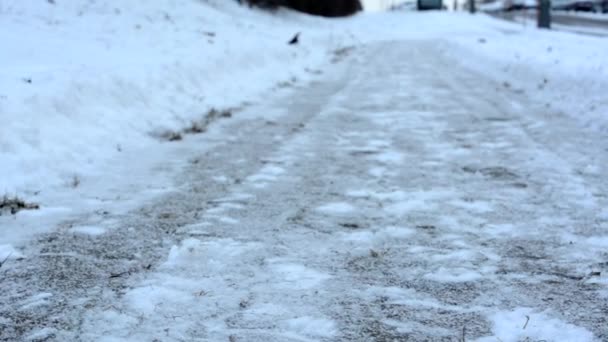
350 186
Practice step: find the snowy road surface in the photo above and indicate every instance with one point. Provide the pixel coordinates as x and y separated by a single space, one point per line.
396 198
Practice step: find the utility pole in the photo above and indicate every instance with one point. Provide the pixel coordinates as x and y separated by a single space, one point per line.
544 14
472 8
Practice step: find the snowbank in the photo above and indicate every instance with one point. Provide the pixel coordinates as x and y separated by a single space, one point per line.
563 72
82 80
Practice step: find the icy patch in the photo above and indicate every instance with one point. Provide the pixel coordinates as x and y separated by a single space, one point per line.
43 334
228 220
236 197
523 324
212 255
397 195
216 210
360 193
359 237
603 215
409 297
378 171
390 157
116 321
196 227
298 277
146 299
232 206
88 230
220 179
35 301
378 143
413 201
453 275
268 173
400 327
461 255
501 230
588 243
598 241
404 207
396 232
392 293
337 208
166 293
474 206
312 327
370 239
225 207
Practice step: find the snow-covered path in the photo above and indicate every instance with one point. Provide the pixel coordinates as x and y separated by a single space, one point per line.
398 198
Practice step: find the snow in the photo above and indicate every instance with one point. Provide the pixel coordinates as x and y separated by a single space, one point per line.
312 327
456 274
35 301
41 335
337 208
93 231
214 253
563 71
87 95
8 251
390 157
98 99
524 324
268 173
403 203
107 79
293 276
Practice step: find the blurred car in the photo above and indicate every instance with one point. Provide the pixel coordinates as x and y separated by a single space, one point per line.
581 5
429 5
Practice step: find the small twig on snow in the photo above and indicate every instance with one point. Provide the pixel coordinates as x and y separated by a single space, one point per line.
118 275
527 321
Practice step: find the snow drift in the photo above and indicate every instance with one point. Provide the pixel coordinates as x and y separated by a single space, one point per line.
84 80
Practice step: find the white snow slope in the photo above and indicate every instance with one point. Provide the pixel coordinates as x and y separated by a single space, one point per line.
81 80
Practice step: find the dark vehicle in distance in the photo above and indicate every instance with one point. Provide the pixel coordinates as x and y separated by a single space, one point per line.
423 5
581 6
